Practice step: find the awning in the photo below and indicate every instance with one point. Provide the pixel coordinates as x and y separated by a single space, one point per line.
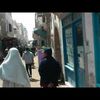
40 32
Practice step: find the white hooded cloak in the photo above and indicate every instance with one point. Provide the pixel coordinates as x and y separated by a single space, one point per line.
12 69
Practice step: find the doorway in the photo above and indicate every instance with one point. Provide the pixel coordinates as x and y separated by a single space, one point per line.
79 53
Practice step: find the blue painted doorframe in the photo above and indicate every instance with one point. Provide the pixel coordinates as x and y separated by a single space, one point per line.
65 54
78 42
76 68
96 31
74 75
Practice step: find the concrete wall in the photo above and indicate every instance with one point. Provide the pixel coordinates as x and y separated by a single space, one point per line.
5 20
9 20
89 49
56 23
22 34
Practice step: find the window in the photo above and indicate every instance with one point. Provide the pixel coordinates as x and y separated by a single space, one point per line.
39 20
67 23
69 45
43 19
10 28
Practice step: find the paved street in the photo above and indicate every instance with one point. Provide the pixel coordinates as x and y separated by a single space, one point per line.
35 75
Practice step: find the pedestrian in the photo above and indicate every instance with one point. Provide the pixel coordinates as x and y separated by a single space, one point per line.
34 50
28 57
49 70
12 70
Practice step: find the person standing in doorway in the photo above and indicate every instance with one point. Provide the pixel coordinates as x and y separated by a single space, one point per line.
49 70
28 57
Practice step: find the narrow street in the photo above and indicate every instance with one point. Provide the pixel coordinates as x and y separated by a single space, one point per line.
35 82
74 39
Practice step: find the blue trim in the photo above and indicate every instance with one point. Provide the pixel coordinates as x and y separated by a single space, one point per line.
97 85
76 68
65 49
80 81
96 31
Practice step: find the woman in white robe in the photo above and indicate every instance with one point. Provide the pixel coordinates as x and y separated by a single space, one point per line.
12 70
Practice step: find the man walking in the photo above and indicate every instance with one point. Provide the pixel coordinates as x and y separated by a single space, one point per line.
29 60
49 70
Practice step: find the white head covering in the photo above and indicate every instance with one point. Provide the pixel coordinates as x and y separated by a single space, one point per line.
13 69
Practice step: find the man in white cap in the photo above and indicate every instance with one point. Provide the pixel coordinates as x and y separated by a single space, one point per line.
12 70
28 57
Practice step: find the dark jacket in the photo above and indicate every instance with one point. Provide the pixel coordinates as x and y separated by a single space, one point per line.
49 71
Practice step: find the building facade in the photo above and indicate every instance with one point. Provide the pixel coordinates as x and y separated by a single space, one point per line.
77 47
23 37
6 29
75 41
6 25
42 29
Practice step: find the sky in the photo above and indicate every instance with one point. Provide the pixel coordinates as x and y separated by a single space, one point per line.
27 19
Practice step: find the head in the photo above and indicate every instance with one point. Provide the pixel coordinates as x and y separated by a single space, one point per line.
12 53
48 52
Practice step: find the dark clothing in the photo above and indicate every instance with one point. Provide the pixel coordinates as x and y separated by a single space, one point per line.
29 69
49 71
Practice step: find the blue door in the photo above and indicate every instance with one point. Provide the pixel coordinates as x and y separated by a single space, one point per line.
74 53
96 30
79 53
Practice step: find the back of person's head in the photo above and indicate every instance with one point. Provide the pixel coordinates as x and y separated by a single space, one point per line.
13 51
48 51
13 68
